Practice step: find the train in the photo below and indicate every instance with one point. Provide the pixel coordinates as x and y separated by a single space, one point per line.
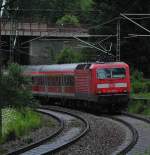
92 85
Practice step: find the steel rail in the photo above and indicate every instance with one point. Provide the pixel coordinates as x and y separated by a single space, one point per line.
57 133
134 136
33 145
134 116
142 118
87 127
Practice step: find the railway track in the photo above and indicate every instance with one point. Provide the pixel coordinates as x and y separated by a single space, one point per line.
72 127
142 127
139 142
131 136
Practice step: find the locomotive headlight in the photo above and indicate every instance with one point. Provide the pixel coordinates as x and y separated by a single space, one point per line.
99 92
105 85
120 85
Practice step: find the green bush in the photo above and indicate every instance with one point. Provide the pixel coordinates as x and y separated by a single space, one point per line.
138 87
67 55
16 124
147 83
68 19
136 75
136 107
138 84
15 87
139 107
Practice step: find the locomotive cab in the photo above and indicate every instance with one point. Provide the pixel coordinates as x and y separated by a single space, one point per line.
112 83
111 80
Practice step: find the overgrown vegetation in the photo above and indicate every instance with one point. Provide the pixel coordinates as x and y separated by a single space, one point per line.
15 88
99 17
69 55
15 92
139 107
15 123
140 88
139 85
68 20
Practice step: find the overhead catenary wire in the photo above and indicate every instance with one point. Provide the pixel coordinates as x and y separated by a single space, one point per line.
93 46
132 21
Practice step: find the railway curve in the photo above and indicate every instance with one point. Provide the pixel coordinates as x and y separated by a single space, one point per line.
142 126
72 128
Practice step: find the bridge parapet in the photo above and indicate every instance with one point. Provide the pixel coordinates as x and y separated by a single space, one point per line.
41 29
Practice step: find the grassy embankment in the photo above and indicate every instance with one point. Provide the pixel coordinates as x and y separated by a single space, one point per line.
16 124
140 88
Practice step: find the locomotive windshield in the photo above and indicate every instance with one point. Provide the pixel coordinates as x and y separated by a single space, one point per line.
107 73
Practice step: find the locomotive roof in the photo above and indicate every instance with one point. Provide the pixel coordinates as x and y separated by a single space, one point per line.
109 64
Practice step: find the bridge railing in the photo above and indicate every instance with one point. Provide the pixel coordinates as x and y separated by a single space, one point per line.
24 28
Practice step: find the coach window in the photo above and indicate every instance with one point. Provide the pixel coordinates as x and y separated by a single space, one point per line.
57 81
72 81
49 81
54 81
35 81
40 79
69 80
66 80
45 80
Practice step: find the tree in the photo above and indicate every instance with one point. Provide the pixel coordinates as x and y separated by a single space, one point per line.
15 90
68 20
67 55
15 87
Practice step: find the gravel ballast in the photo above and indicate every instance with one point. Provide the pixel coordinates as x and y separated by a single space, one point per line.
104 137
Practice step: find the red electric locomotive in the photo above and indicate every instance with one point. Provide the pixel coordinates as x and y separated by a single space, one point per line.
91 84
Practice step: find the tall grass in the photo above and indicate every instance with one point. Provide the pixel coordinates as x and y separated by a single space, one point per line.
139 84
16 124
139 107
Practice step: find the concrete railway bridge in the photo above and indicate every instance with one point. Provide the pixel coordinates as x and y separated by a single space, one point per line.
29 42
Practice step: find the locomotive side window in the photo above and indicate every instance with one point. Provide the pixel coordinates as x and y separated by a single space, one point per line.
107 73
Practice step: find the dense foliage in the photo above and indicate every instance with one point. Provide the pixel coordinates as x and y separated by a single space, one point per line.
93 14
138 84
15 91
68 20
15 88
69 55
15 124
